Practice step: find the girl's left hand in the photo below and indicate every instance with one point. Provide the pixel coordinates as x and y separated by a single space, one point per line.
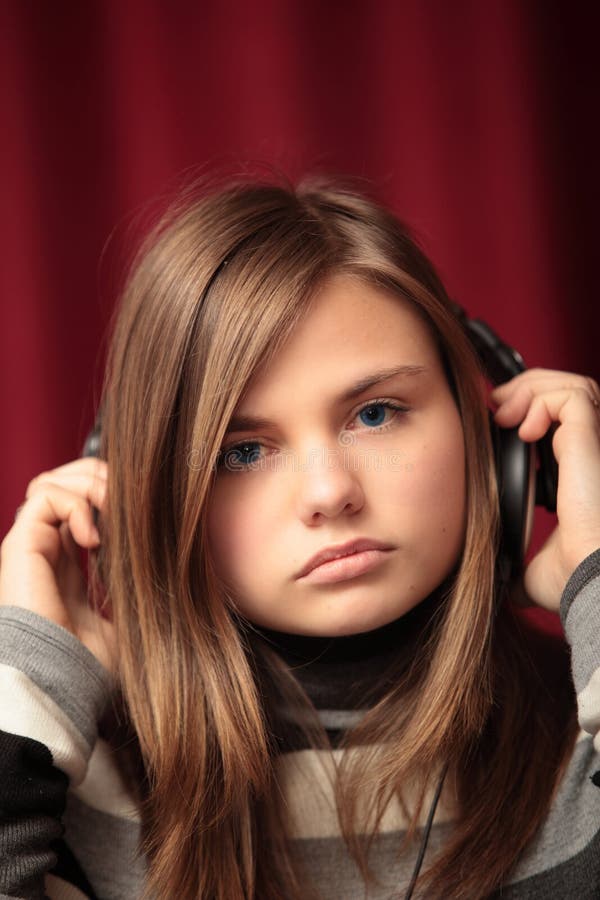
536 398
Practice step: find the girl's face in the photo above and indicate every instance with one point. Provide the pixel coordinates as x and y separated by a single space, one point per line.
338 461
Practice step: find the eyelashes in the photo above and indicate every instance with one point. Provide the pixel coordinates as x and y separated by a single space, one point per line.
233 458
381 404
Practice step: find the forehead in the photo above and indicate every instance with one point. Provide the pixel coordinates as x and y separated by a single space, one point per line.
350 330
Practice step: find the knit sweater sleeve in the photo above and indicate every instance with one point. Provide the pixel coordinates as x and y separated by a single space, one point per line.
52 694
580 615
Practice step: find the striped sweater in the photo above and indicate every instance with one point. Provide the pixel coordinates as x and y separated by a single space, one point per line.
69 827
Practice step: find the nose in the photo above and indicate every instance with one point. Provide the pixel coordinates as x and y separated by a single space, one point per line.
328 485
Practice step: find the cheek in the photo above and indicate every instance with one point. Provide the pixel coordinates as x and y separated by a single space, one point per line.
431 491
447 494
236 533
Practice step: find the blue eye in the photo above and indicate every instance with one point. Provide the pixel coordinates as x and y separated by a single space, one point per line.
245 455
376 412
237 457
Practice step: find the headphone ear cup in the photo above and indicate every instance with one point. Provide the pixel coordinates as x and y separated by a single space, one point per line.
515 475
517 467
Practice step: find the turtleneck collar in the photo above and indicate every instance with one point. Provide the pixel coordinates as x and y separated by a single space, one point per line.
352 672
388 640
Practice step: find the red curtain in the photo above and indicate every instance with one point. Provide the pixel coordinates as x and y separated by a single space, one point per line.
475 120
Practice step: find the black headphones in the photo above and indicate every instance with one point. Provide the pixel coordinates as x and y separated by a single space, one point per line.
527 473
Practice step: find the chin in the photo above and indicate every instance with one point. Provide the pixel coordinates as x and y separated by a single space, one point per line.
350 625
367 616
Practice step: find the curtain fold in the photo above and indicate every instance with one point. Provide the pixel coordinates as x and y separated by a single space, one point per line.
474 121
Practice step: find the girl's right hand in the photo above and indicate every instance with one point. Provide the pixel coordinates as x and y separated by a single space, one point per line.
39 557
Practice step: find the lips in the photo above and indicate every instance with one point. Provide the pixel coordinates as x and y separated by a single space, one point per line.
337 552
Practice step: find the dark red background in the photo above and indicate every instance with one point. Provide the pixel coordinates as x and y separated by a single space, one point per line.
475 120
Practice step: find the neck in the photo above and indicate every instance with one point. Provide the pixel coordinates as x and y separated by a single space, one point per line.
390 638
351 672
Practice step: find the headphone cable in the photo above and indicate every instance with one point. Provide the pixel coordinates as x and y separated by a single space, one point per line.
425 838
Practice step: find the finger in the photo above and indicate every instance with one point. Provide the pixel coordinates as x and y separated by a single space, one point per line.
90 468
78 483
544 379
54 505
535 381
571 407
515 407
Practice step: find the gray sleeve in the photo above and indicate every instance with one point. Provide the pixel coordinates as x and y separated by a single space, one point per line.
52 694
580 615
54 665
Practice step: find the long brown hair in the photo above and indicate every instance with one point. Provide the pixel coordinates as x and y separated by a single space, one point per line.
214 293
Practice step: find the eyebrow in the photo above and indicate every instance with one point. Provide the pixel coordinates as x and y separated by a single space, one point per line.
251 423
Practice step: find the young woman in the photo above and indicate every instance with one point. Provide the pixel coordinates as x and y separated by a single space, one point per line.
299 646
